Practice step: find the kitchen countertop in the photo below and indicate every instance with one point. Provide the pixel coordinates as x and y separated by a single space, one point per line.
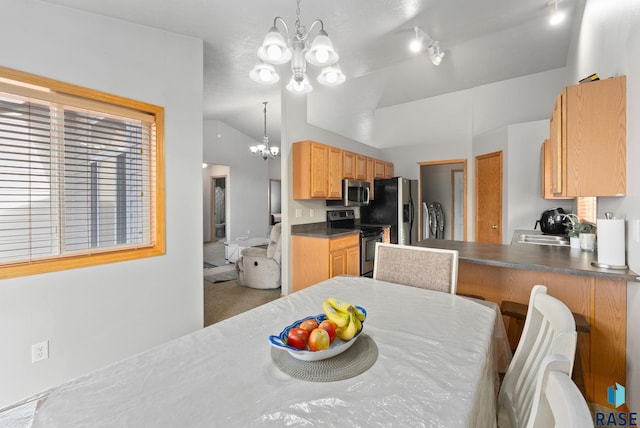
321 230
546 258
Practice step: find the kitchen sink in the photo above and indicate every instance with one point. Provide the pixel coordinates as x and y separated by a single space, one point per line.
543 240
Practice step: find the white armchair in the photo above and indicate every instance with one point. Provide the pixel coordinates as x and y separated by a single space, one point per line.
260 267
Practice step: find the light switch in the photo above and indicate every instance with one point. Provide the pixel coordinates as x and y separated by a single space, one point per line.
298 212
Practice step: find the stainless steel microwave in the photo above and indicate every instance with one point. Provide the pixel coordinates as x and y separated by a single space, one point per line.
355 193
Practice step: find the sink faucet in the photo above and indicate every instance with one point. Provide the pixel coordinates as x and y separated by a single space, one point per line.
572 218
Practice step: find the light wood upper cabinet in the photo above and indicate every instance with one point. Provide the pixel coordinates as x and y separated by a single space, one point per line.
545 163
555 147
587 146
335 173
388 170
311 164
318 170
348 165
361 167
379 169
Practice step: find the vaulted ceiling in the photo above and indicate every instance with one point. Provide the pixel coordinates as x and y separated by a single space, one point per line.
484 41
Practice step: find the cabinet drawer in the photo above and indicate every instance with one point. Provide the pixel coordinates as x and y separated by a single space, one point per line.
344 242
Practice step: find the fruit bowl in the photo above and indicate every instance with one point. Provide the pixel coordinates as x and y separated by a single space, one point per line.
337 347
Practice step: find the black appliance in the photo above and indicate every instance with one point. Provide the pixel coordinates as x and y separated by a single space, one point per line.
355 193
395 204
369 235
552 222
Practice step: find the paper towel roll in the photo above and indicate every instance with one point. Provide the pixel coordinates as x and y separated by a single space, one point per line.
611 242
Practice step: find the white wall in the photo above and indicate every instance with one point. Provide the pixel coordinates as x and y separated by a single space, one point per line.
523 178
248 180
609 44
95 316
460 125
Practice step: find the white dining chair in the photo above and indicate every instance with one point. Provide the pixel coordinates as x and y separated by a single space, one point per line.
557 401
430 268
548 329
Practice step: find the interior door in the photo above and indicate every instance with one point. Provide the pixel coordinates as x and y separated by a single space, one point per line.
489 198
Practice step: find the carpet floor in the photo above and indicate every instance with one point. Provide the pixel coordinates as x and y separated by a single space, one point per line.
223 300
221 273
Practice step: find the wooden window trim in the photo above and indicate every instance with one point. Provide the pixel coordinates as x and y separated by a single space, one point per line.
157 246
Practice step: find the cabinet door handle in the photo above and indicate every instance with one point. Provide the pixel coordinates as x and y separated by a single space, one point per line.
495 226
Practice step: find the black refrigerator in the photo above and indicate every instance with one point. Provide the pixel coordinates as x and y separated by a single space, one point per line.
396 204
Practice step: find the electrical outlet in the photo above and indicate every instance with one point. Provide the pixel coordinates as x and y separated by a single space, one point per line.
39 351
298 212
311 212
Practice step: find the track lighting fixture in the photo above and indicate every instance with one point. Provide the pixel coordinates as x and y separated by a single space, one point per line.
557 16
420 40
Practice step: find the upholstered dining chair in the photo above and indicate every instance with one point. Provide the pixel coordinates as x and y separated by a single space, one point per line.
557 401
421 267
548 329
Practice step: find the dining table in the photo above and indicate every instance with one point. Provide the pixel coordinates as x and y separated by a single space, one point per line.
423 359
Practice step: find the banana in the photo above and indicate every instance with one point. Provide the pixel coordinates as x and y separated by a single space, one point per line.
339 305
356 321
347 333
339 318
343 306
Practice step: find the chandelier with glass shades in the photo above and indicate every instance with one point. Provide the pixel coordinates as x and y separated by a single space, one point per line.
276 49
263 150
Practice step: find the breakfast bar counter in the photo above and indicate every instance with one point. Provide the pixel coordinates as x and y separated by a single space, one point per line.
508 272
545 258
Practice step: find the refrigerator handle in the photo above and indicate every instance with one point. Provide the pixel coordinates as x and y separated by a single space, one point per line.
411 212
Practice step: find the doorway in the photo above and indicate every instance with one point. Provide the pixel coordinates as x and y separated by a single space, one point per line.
489 198
443 199
275 202
218 207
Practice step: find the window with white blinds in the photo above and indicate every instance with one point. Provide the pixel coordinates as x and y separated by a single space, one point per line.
79 176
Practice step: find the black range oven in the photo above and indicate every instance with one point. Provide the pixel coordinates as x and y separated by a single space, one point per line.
369 235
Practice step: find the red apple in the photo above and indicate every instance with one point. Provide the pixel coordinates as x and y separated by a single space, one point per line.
297 338
330 327
318 340
309 325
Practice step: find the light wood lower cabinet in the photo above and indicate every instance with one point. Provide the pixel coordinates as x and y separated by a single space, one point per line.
318 259
386 237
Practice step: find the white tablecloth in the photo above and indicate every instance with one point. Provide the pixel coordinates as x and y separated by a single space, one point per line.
435 368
